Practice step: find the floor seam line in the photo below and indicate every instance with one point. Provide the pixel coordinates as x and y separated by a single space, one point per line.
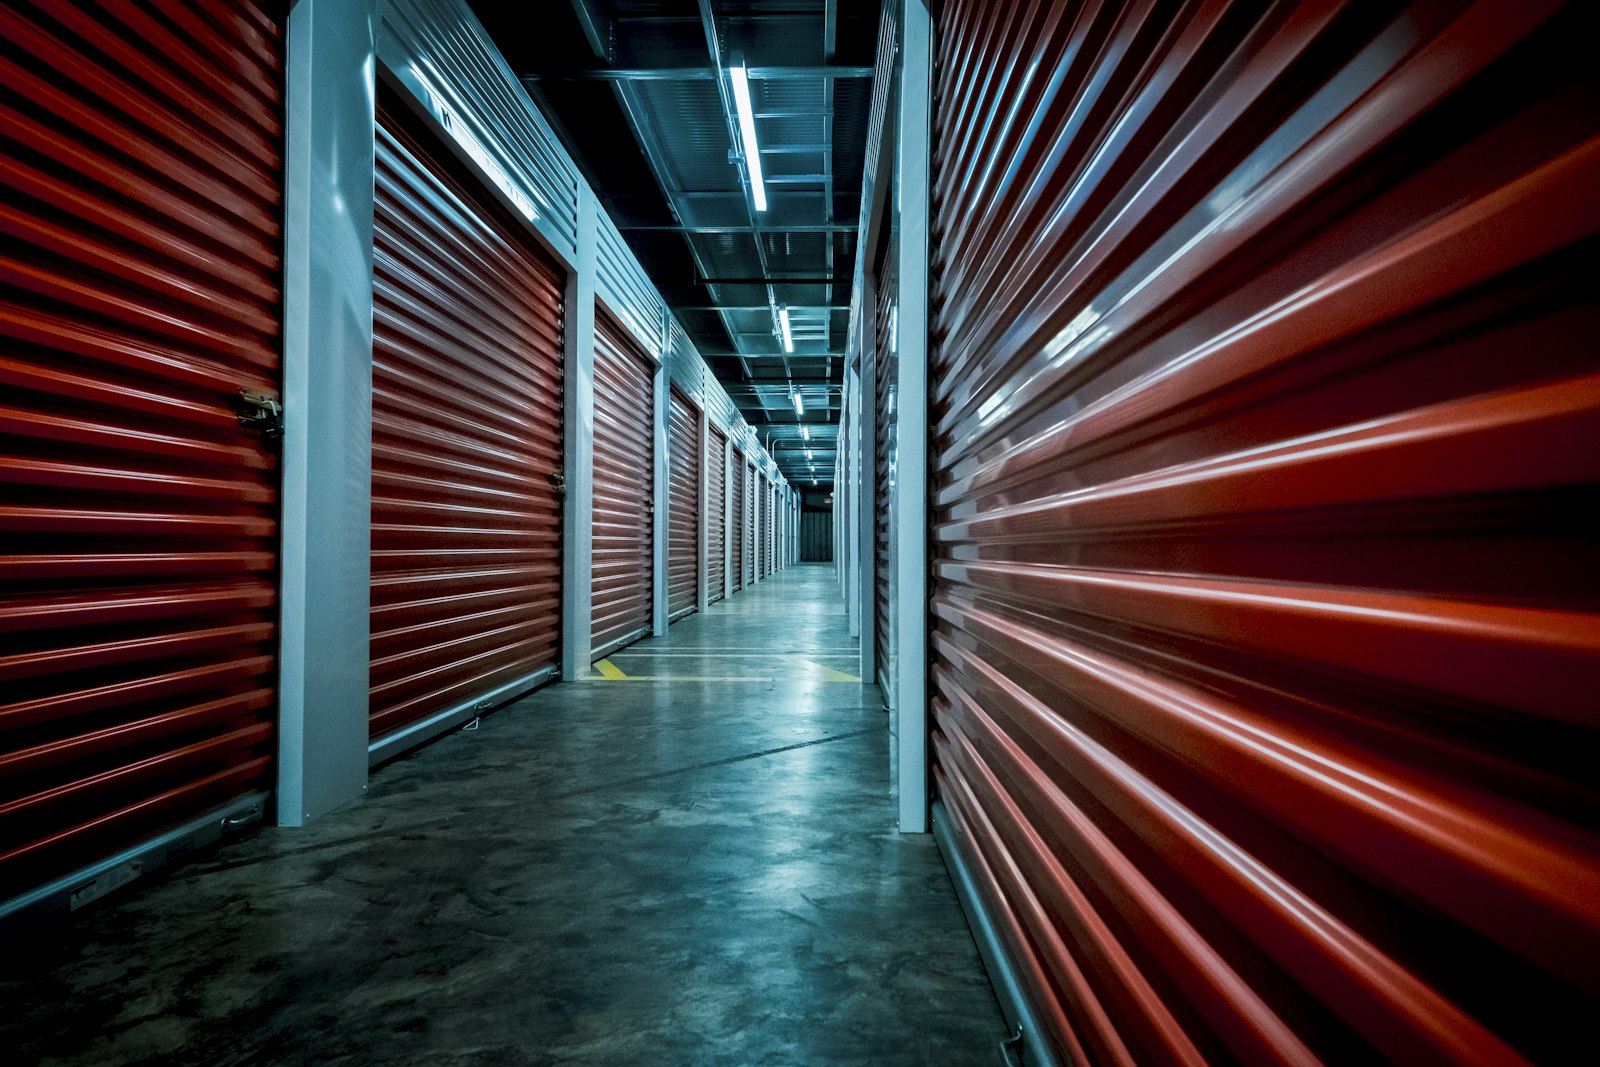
713 763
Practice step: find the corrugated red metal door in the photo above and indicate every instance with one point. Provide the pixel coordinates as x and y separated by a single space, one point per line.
466 435
1266 442
683 504
740 537
624 465
717 514
138 519
885 339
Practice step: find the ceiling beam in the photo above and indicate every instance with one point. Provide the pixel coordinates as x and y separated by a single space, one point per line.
771 279
777 382
751 307
695 73
776 229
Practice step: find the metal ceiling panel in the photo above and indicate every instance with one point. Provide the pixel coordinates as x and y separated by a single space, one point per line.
693 134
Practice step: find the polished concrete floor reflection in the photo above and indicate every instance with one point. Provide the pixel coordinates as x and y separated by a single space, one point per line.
687 859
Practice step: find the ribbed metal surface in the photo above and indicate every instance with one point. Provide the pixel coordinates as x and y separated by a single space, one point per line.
816 537
884 327
1266 434
624 465
716 515
138 521
752 524
442 54
627 291
683 507
685 368
466 435
741 533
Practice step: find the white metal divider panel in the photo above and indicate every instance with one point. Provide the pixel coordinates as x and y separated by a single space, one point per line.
716 513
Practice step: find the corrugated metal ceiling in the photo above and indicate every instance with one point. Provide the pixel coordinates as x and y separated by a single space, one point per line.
633 87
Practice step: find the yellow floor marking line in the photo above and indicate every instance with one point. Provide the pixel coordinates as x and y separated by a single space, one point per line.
765 680
812 671
828 674
666 654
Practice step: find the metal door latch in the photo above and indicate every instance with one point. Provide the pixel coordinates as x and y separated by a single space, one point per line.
260 411
559 481
1011 1048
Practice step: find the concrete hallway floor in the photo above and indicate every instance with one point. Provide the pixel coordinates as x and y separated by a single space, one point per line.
689 858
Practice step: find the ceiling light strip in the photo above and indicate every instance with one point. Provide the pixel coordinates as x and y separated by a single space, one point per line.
740 77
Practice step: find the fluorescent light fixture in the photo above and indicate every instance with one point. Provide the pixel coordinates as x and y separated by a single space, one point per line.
788 334
805 432
747 129
799 405
808 453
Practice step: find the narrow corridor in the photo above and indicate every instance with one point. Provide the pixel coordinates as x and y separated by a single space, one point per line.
689 858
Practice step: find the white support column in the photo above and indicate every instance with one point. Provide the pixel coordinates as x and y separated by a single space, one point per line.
577 463
661 498
326 567
866 509
845 488
728 518
702 593
911 393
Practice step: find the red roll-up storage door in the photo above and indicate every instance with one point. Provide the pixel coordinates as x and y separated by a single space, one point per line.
1266 444
466 435
142 165
717 512
683 506
741 537
886 336
624 469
